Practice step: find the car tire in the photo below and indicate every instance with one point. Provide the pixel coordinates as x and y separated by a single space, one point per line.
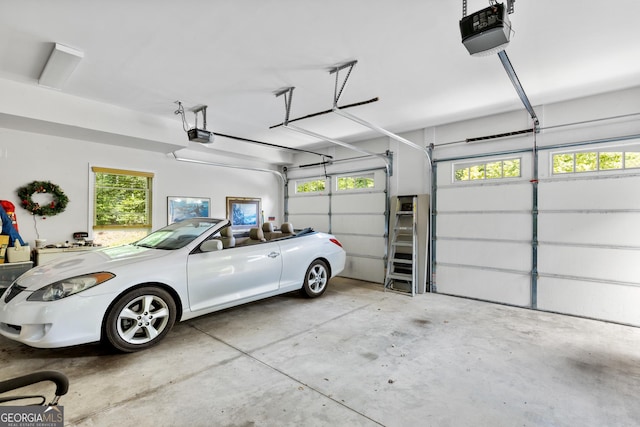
139 319
315 279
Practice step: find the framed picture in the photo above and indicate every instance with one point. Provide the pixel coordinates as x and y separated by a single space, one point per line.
244 212
179 208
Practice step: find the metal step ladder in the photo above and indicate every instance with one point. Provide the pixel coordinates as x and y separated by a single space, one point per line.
401 264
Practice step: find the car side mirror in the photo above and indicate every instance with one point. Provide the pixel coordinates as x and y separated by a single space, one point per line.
211 246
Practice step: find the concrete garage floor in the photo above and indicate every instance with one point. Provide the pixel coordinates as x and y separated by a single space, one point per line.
358 356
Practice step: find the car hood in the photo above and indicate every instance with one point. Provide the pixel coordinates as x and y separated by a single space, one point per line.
108 259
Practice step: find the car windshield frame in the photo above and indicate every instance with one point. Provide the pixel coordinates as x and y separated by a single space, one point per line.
179 234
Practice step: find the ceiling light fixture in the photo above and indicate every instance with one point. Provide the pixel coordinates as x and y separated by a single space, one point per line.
62 61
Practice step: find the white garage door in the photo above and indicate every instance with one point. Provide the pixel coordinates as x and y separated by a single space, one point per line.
589 232
356 216
588 211
483 229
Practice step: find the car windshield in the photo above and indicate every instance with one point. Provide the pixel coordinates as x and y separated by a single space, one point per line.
178 234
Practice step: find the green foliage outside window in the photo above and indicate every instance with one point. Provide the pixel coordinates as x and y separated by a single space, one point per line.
310 186
610 161
594 161
477 172
586 162
462 174
355 182
511 168
631 160
122 200
493 170
563 163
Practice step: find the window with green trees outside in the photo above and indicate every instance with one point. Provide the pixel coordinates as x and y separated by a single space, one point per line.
122 205
499 169
592 161
313 186
356 182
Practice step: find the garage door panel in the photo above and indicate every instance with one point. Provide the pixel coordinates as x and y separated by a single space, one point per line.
503 287
311 204
317 222
510 197
483 237
360 268
358 224
604 264
362 245
358 203
499 255
613 228
612 302
587 233
356 217
516 226
594 194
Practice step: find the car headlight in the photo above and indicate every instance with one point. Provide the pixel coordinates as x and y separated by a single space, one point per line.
67 287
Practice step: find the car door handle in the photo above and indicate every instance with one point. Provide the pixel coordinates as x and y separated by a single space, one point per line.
273 254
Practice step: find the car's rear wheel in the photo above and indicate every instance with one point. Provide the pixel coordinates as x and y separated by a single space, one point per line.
139 319
316 279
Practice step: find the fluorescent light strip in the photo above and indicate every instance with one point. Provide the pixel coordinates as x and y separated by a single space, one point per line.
62 62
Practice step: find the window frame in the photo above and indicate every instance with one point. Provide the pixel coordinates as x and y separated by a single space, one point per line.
149 189
483 167
368 175
598 163
304 181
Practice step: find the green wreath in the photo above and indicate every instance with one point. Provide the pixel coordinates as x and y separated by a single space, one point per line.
57 205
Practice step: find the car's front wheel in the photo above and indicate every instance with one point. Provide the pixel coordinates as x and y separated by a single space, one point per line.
139 319
316 279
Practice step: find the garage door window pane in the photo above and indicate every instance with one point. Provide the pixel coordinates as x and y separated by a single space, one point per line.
509 168
563 163
594 161
494 170
631 160
610 160
586 162
310 186
461 174
476 172
356 182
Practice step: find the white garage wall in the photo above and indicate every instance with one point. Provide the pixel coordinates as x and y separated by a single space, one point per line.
411 171
26 157
585 114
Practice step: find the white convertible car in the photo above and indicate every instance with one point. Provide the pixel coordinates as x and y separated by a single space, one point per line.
130 296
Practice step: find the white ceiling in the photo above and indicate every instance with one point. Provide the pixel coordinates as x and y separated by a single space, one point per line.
233 55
